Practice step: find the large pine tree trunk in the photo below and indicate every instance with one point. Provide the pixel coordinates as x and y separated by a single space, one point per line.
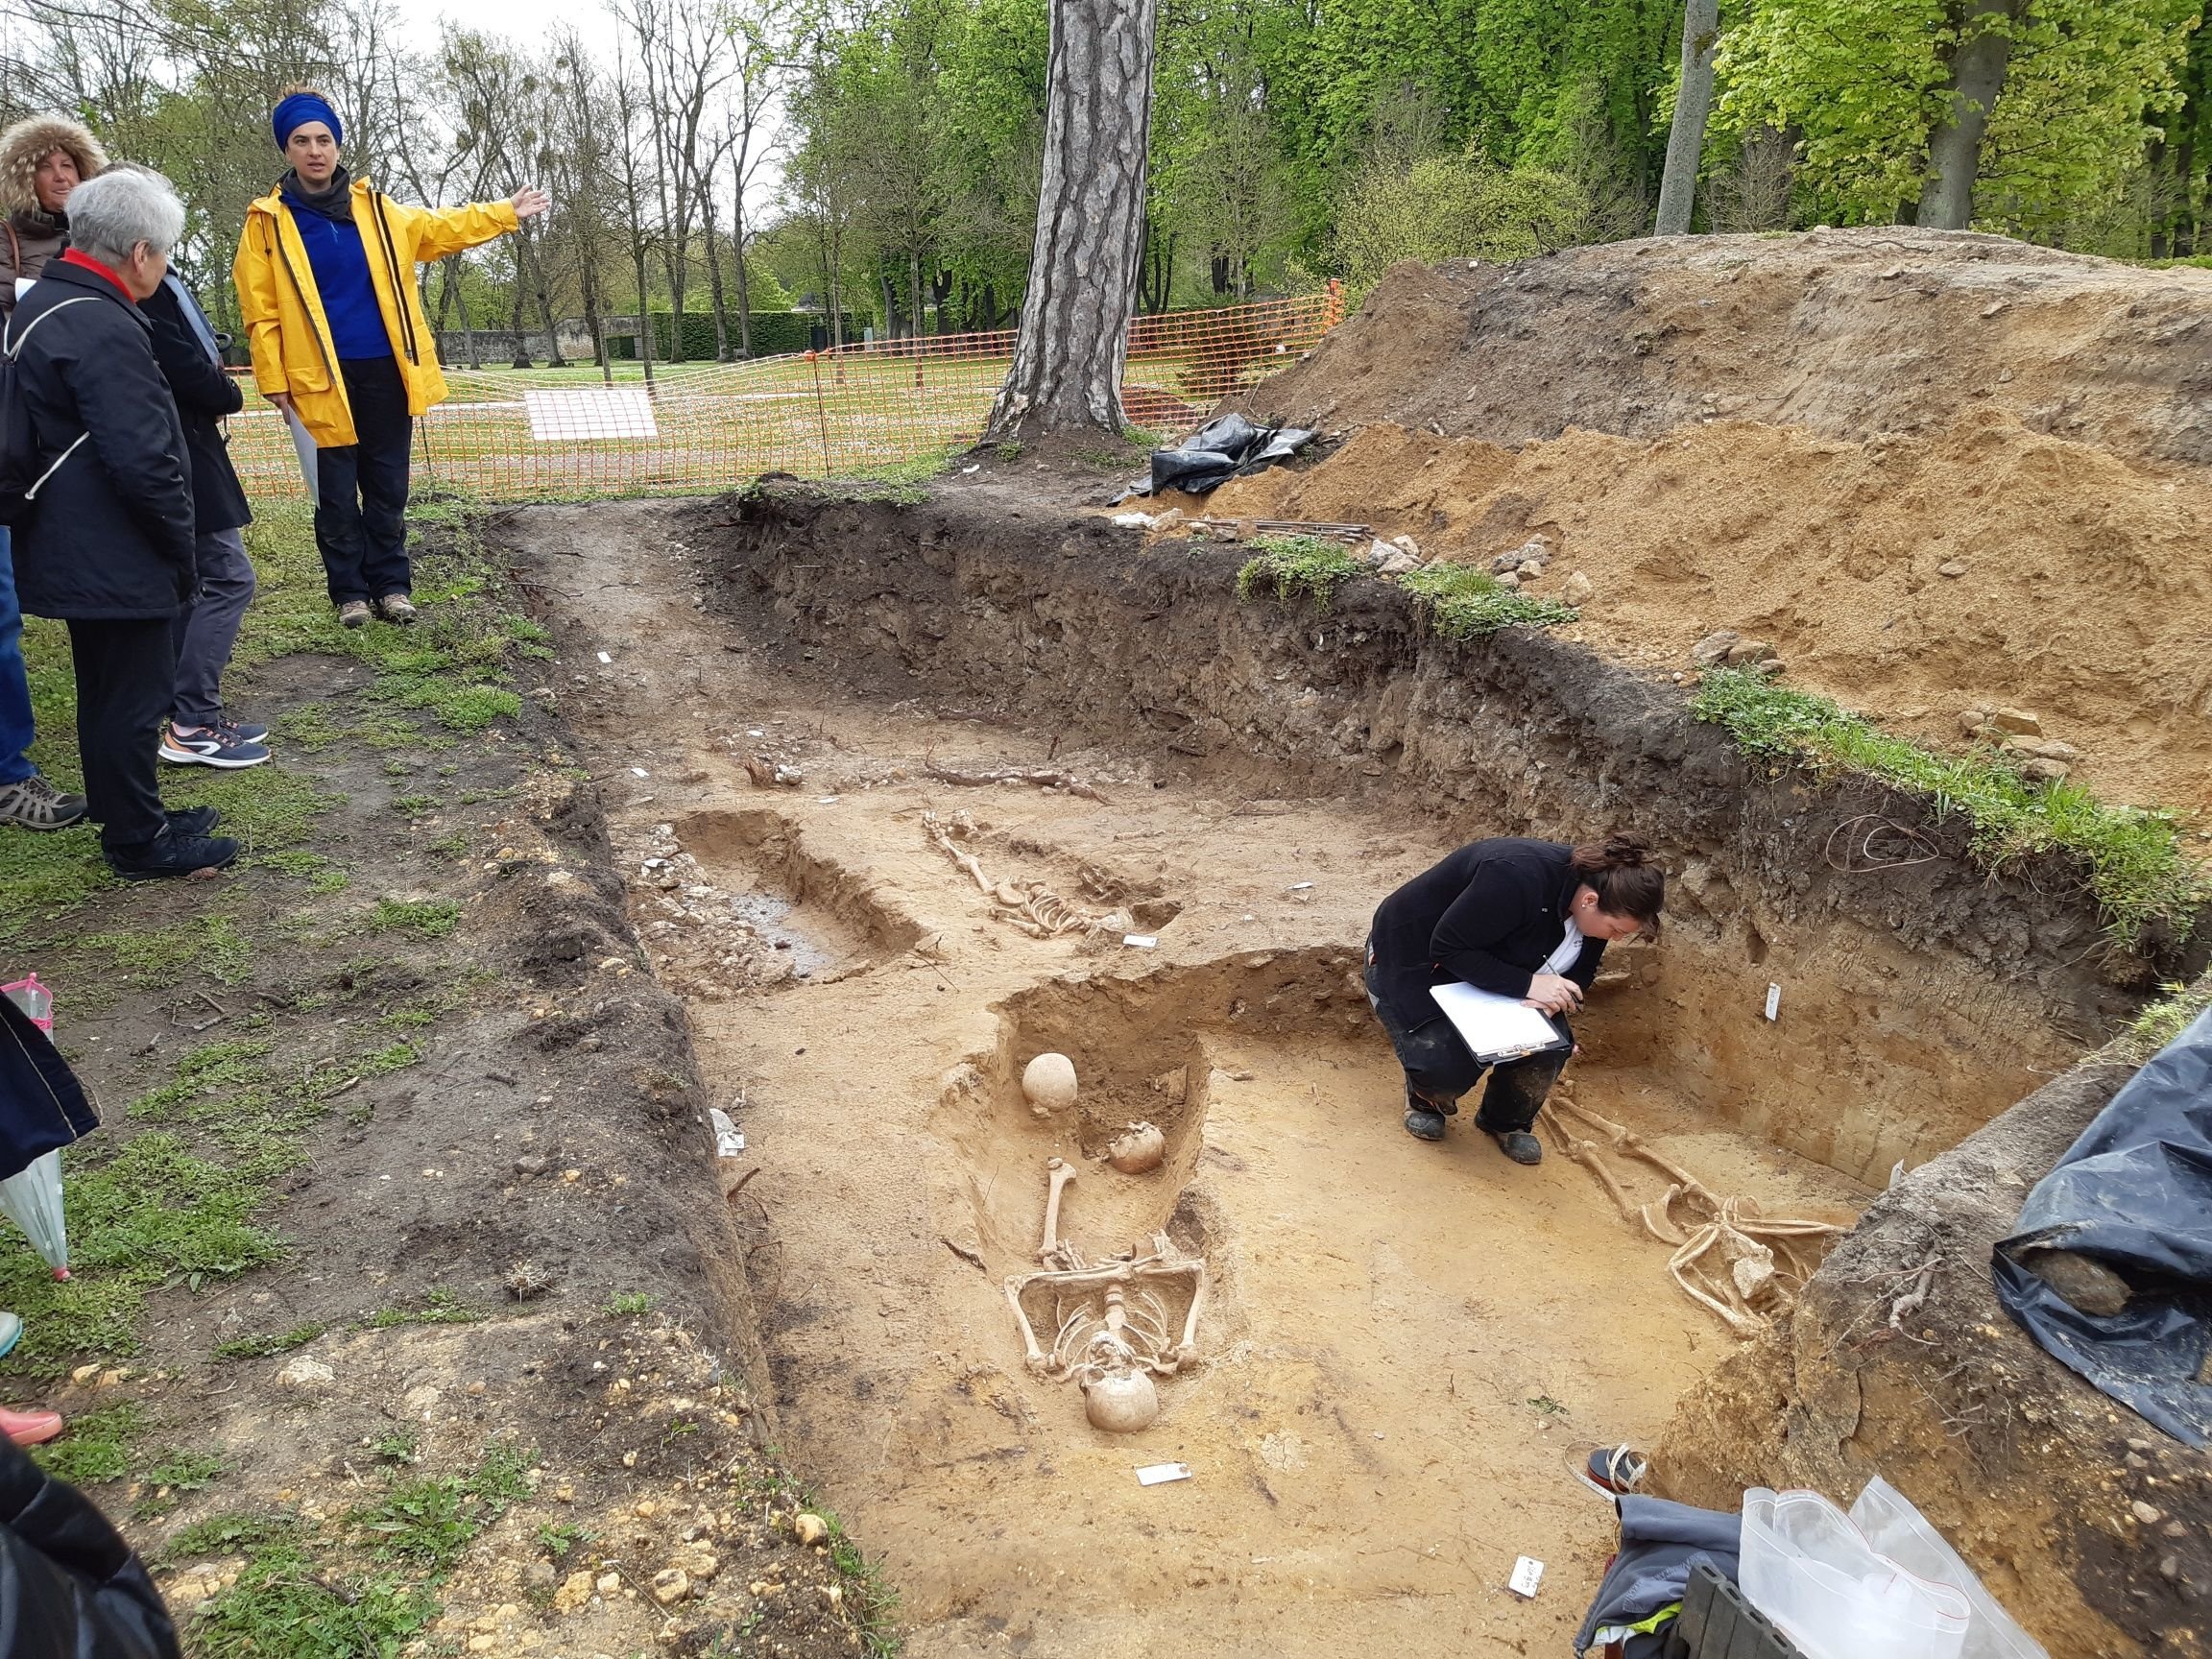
1693 105
1083 269
1978 66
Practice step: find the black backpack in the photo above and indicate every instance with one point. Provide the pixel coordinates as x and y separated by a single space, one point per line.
20 473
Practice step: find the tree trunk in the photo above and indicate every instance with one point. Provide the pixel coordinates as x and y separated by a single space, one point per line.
1083 267
1978 66
644 316
744 288
716 296
1693 104
914 293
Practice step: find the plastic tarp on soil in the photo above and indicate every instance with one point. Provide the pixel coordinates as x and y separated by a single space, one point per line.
2135 1193
1218 451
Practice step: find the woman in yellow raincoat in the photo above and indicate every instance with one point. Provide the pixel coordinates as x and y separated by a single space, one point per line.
326 275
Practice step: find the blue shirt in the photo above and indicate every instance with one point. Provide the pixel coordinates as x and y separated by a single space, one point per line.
340 266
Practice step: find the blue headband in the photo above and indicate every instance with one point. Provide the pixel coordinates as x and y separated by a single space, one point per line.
296 111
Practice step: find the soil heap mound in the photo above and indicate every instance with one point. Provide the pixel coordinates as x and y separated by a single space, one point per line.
1913 578
1847 332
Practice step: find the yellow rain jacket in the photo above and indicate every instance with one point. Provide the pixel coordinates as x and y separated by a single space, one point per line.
285 324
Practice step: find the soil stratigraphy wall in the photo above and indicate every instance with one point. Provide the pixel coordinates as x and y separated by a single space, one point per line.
1848 332
1916 1002
2092 1527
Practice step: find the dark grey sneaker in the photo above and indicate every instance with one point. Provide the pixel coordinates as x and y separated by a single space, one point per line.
34 803
1425 1125
171 854
193 820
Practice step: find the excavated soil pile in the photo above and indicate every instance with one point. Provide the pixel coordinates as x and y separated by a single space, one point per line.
1845 332
1911 577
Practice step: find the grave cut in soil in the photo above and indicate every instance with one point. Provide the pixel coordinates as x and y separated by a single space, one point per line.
1405 1348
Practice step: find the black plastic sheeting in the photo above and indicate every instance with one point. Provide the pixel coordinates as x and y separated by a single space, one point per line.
2134 1192
1226 448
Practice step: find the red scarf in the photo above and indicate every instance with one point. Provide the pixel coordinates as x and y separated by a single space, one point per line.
74 257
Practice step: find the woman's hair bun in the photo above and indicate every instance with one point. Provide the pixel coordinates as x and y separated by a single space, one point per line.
1626 852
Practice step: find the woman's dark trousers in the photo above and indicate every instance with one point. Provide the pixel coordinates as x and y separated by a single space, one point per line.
1440 1068
361 490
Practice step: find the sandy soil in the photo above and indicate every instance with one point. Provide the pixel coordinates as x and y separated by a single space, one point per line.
1912 578
1407 1347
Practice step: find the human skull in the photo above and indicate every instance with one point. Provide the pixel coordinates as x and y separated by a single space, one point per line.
1138 1148
1121 1402
1048 1082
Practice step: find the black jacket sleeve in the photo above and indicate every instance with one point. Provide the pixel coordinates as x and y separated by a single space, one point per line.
1504 896
196 380
125 404
69 1586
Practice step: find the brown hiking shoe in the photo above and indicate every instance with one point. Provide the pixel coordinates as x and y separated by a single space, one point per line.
397 607
36 804
353 614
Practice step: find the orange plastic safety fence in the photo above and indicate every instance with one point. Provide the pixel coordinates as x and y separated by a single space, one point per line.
696 427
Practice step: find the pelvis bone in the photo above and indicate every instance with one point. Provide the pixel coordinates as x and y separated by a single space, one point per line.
1111 1321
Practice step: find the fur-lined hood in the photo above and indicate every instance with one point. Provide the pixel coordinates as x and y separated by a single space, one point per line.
26 143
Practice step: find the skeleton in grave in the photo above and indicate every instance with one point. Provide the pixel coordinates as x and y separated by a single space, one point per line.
1111 1319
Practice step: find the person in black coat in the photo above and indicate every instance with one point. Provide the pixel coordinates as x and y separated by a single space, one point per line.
1517 918
199 731
69 1586
106 547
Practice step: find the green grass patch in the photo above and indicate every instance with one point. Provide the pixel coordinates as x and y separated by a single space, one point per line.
96 1448
288 1602
186 1471
274 1342
265 809
424 918
414 805
211 944
427 1523
2178 1007
226 1534
150 1215
629 1303
48 876
2133 856
1293 565
873 1603
438 1307
1462 602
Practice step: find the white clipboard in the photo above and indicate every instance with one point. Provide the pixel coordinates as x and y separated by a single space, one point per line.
1496 1027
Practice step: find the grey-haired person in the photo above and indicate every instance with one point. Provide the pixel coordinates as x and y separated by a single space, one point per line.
107 546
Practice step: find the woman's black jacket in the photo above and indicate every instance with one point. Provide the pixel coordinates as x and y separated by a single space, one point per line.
69 1586
204 395
109 536
1491 914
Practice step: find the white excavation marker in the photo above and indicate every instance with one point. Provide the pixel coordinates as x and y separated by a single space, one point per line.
1158 1474
1527 1573
1773 1001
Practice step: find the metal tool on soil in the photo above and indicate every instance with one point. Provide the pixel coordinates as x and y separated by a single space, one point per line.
1745 1265
1111 1320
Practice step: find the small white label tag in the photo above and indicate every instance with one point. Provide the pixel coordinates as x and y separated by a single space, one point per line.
1773 1001
1141 941
604 657
1158 1474
1527 1573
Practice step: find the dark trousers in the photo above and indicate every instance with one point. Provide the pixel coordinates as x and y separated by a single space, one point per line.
125 677
205 633
1440 1068
361 490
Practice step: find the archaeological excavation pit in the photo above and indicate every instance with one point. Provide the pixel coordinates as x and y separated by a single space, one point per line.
1404 1349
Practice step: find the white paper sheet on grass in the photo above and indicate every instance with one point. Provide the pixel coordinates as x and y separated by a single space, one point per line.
1496 1027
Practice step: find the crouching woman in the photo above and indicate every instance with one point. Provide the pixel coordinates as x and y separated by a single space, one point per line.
1517 918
